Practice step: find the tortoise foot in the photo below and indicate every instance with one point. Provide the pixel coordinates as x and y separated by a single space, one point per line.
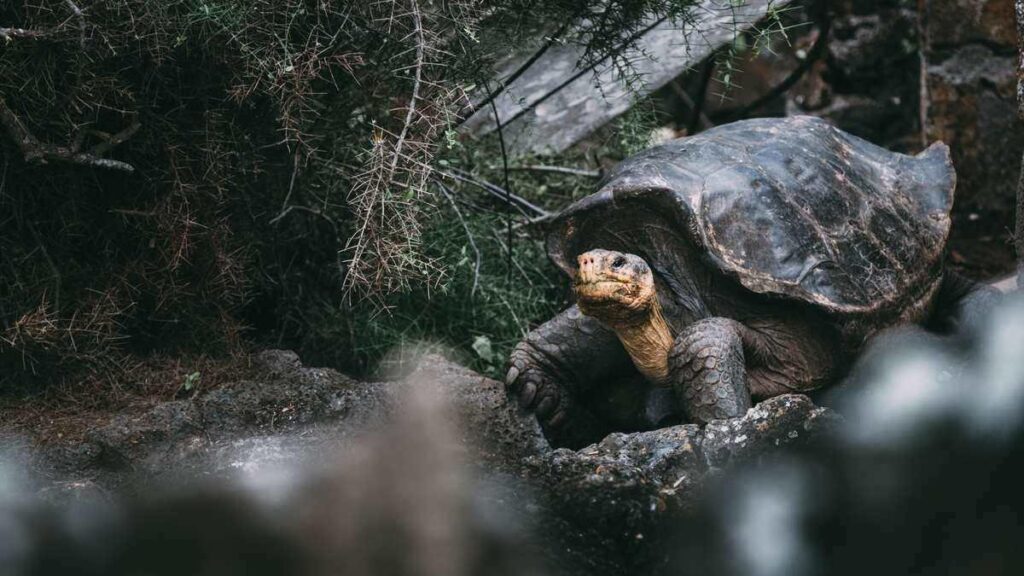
536 388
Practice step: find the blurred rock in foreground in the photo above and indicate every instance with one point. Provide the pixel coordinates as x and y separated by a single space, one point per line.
313 467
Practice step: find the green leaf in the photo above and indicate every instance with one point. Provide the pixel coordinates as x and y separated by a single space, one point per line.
482 346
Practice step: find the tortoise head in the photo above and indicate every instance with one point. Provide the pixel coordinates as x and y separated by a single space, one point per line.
614 287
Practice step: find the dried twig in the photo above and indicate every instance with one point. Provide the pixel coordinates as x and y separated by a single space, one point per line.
508 186
469 235
559 170
81 20
35 151
522 204
491 95
9 34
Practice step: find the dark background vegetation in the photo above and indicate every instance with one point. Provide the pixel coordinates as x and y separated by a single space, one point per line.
186 180
248 139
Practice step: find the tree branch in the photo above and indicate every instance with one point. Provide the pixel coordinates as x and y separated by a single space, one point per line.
9 34
81 20
522 204
37 152
816 53
624 45
503 84
559 170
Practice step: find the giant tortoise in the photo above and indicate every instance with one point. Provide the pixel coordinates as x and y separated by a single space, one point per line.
741 263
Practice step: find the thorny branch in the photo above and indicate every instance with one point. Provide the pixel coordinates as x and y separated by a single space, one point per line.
389 196
816 53
35 151
10 34
410 113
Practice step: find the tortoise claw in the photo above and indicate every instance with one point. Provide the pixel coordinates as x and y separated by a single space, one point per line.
557 419
512 376
545 406
527 394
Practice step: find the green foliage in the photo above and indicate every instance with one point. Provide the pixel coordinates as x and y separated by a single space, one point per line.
633 129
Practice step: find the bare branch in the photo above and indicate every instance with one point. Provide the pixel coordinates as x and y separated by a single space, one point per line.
35 151
81 21
9 34
505 83
417 80
522 204
117 139
614 53
559 170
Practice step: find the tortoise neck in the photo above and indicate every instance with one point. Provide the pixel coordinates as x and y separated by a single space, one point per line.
648 341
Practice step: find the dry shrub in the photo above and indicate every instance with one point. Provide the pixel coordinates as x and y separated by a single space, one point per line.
224 171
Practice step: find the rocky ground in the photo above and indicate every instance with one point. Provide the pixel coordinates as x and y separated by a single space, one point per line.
602 505
300 470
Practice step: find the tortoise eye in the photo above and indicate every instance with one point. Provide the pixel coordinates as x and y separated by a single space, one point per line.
619 262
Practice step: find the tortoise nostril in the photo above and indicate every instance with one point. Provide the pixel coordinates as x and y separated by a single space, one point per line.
619 262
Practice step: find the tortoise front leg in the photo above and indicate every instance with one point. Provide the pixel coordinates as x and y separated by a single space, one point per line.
707 368
556 365
719 365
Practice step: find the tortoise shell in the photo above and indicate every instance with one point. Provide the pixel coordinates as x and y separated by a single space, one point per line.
789 207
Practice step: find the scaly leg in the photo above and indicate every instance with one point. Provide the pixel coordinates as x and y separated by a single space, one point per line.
708 370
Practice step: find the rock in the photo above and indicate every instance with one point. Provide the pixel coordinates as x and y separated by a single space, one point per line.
325 443
961 22
865 79
668 465
970 102
781 421
973 108
499 435
291 410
